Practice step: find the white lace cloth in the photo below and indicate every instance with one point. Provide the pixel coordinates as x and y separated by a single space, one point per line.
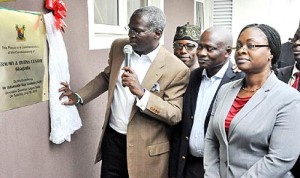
65 120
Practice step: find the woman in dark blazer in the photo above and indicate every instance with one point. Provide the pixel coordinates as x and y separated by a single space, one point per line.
254 126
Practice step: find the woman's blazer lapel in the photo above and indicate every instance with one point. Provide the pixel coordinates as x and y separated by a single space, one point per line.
227 101
253 103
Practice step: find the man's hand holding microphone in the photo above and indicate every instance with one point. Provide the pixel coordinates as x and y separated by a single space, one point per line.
129 77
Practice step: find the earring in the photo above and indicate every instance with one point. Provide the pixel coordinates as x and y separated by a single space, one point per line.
270 58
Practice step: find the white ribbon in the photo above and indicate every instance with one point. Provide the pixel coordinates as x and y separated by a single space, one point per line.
65 120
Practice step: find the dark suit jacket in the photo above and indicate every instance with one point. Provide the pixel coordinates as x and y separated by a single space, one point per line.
284 74
286 57
182 131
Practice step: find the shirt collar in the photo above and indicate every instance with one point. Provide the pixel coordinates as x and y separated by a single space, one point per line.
295 70
150 55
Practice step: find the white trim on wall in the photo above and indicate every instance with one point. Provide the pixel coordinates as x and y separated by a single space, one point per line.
100 35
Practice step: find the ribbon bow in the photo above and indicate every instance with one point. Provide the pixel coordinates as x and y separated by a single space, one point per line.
60 12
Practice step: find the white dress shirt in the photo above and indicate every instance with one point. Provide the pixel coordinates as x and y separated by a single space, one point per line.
293 78
206 93
123 101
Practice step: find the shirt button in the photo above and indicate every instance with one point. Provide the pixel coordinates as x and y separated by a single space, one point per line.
183 157
192 117
187 138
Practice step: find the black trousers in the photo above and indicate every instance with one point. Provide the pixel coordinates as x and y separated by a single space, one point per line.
114 161
194 167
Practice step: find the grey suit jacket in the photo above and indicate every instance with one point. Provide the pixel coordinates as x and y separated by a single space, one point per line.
263 137
284 74
148 131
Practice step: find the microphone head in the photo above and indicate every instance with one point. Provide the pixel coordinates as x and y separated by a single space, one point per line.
127 49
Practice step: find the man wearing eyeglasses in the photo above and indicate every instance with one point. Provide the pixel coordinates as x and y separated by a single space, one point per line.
291 76
185 44
214 49
144 100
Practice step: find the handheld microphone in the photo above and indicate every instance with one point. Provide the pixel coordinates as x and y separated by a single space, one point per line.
127 52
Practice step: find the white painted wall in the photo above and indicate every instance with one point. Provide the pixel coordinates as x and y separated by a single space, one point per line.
283 15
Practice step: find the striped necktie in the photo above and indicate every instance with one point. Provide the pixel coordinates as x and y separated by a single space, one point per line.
297 80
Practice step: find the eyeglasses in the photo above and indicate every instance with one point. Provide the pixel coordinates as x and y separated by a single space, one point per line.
208 48
187 46
136 32
249 46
